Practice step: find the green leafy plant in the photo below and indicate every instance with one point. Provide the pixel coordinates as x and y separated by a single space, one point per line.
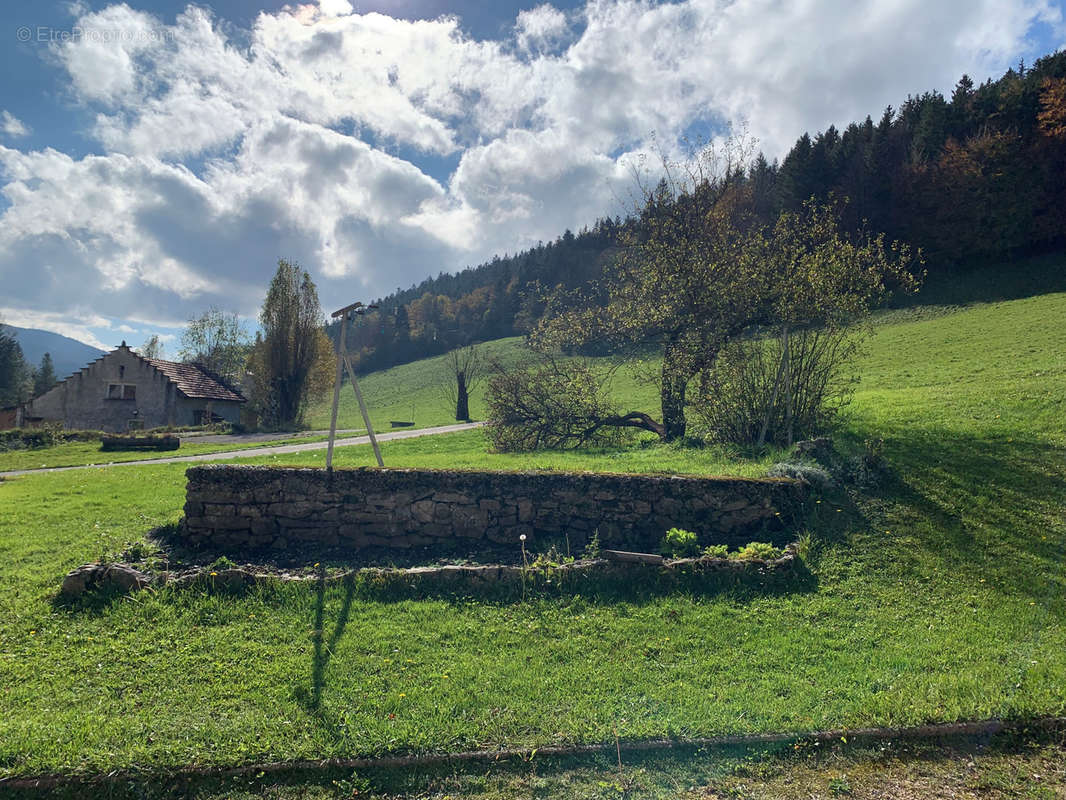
840 786
679 543
755 551
592 549
716 551
221 563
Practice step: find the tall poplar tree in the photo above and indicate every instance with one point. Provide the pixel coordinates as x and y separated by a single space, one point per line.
292 342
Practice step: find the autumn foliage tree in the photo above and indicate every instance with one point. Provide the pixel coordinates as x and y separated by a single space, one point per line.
290 362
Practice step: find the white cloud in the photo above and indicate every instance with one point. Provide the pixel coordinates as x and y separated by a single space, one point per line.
75 323
541 27
335 8
218 154
11 126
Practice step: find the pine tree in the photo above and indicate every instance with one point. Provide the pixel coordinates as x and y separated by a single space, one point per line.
45 377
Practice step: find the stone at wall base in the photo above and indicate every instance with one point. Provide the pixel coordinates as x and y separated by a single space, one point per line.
103 577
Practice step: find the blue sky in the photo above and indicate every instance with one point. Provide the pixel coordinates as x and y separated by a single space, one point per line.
157 158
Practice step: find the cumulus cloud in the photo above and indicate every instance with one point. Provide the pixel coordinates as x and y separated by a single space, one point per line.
306 136
12 126
75 323
541 27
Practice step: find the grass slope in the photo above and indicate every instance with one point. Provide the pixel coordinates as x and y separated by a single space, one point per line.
942 597
413 392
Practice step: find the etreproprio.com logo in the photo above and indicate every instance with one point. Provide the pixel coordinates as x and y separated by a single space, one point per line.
42 34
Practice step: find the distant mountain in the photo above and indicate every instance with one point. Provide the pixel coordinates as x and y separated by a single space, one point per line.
68 355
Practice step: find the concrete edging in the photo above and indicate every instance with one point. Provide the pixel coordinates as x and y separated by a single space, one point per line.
947 730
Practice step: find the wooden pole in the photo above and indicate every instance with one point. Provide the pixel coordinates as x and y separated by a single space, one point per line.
362 407
336 394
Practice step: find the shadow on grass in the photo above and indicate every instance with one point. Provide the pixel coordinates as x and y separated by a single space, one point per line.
992 283
982 507
322 652
93 603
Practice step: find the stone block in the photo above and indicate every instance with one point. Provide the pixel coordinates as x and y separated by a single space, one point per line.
422 510
525 510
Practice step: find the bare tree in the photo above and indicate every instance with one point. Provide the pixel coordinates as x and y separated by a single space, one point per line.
466 368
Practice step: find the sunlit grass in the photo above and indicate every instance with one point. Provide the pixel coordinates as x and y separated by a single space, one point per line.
941 596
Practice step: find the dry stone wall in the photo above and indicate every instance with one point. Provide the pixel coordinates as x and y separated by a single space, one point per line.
240 508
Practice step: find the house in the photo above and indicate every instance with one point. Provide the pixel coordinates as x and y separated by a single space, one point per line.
122 390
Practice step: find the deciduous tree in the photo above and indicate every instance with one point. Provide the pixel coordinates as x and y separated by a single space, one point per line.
152 347
685 278
217 340
465 370
287 360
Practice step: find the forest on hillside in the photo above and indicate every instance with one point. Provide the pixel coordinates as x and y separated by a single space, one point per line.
973 179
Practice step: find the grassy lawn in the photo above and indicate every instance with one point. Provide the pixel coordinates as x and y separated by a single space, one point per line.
942 596
76 454
412 392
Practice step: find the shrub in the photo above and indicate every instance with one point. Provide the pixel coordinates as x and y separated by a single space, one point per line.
759 551
815 476
735 397
679 543
48 435
716 551
553 405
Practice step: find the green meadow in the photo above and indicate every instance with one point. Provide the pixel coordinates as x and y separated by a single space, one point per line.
937 595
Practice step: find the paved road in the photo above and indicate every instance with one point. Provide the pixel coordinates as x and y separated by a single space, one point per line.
262 451
252 438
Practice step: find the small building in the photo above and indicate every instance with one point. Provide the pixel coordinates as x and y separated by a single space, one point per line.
122 390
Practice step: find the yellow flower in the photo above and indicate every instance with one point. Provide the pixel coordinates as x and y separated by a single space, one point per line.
214 573
403 694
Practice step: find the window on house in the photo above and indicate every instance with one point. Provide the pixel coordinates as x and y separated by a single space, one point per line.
121 391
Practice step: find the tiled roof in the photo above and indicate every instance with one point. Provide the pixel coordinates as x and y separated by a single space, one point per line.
193 381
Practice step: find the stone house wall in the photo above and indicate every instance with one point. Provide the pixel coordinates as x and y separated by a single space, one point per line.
236 508
81 401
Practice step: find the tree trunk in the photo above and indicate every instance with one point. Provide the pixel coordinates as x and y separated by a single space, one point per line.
672 394
788 388
462 398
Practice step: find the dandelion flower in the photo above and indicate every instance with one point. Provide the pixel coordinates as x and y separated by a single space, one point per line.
522 538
